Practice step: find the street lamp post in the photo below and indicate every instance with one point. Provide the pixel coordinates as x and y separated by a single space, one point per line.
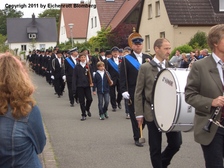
71 27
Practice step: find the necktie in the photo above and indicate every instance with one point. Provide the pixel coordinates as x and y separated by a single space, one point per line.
160 65
222 64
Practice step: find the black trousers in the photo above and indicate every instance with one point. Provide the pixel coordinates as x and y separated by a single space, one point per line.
214 152
59 85
84 93
115 98
174 140
70 92
134 123
48 77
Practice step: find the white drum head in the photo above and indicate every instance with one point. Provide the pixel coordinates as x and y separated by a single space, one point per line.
165 100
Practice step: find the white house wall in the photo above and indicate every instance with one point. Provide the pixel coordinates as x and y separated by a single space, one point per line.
177 35
29 47
155 25
183 35
79 40
92 30
62 34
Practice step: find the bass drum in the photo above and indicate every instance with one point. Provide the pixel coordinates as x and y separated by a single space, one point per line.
171 112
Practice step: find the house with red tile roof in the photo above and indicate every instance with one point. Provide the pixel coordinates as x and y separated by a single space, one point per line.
120 15
78 16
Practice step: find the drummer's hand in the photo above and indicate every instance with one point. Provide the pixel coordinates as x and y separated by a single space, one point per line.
219 101
139 120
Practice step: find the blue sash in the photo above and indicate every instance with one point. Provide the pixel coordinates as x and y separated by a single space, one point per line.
133 61
114 65
70 62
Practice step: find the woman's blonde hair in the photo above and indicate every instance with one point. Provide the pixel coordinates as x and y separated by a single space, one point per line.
16 87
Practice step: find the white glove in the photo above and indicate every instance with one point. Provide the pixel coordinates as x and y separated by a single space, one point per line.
126 95
52 77
64 78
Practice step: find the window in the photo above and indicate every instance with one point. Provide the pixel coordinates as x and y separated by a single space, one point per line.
150 11
95 22
147 43
162 34
91 22
157 9
32 36
221 5
23 47
42 46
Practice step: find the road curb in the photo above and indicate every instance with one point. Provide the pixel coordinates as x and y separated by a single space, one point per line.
47 157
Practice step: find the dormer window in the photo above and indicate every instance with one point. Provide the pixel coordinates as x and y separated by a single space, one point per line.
32 32
221 5
32 36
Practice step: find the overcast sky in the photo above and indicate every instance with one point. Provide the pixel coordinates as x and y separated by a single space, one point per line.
32 6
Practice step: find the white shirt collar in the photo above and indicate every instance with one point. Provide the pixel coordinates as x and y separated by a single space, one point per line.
83 64
158 62
137 55
101 73
216 58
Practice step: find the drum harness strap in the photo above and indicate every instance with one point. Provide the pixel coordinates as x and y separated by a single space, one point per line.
153 63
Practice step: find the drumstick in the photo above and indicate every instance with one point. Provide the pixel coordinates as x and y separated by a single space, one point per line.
141 139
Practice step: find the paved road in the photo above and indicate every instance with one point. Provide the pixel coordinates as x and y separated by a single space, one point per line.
100 144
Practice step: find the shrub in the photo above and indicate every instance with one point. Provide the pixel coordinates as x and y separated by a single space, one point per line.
199 40
183 49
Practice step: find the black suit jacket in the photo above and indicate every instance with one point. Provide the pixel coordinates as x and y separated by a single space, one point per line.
57 70
115 76
69 70
80 77
128 83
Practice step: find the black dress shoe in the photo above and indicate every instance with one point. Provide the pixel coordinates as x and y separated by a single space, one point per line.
114 110
83 118
119 106
72 105
89 114
137 143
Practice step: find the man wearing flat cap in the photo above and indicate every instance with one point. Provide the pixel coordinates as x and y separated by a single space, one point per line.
128 75
113 69
70 63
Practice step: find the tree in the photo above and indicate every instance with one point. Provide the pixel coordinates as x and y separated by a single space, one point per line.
3 47
51 13
119 36
7 13
100 41
199 41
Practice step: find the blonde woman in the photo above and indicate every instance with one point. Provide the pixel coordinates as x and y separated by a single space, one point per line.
22 135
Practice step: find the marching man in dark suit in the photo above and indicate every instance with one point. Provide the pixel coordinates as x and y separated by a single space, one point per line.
58 73
128 76
81 84
143 97
70 63
113 69
204 91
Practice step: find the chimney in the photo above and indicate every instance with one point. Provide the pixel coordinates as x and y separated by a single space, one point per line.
33 19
